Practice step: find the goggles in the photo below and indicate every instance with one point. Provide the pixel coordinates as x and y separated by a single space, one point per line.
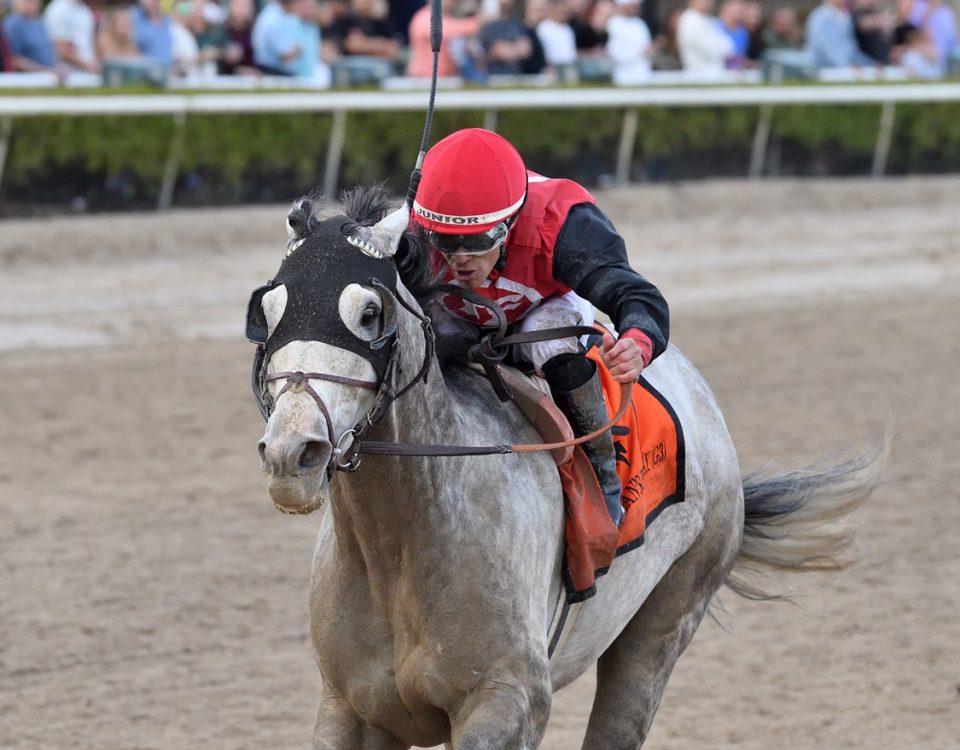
469 244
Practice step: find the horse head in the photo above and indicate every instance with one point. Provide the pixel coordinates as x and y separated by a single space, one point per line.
326 330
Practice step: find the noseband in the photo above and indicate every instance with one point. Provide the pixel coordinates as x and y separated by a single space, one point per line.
299 382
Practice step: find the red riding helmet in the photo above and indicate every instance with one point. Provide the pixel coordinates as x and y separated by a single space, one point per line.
472 181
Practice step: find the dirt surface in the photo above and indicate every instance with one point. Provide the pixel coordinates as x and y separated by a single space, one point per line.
151 597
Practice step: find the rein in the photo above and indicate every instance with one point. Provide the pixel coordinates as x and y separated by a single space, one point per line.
429 449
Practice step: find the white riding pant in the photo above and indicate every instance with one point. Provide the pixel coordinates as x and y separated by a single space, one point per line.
554 312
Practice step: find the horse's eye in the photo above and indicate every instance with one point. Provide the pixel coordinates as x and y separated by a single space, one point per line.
370 316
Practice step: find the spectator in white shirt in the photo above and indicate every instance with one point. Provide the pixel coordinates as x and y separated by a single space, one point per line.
704 47
72 28
556 35
629 44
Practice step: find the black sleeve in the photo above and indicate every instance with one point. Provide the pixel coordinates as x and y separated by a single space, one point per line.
336 32
591 258
537 61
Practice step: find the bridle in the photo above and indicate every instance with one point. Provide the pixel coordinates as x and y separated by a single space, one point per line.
345 456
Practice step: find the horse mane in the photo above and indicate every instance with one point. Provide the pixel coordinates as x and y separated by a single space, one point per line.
364 205
415 266
419 274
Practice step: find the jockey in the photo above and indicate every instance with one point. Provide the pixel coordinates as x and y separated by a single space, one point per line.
542 249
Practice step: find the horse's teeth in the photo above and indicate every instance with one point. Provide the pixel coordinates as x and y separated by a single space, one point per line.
364 246
293 246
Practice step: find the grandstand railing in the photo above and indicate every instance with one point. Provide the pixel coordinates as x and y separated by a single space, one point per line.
628 101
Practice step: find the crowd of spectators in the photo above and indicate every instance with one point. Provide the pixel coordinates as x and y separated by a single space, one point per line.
319 40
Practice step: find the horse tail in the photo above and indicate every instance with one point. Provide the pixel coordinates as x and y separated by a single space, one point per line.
800 520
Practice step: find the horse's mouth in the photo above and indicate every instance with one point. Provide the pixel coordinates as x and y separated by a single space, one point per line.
301 510
299 495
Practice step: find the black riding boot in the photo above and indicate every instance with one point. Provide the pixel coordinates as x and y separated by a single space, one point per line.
576 390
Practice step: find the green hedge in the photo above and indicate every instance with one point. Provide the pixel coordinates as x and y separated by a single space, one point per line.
118 161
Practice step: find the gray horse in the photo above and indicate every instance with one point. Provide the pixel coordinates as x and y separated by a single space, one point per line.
436 581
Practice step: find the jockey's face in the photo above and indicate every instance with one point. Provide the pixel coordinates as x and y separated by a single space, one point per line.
472 270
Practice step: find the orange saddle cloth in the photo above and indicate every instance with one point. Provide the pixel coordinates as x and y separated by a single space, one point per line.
650 462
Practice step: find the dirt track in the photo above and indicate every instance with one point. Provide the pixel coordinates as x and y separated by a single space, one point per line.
151 597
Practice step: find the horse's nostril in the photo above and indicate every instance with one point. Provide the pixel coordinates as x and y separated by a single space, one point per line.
262 448
314 454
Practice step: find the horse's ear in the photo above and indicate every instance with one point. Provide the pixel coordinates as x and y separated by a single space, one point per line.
385 234
300 219
256 318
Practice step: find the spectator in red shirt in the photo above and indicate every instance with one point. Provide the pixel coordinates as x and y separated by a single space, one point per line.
421 56
6 56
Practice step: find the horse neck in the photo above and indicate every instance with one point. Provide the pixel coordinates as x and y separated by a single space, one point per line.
394 505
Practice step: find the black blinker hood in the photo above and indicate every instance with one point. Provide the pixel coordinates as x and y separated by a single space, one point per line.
315 275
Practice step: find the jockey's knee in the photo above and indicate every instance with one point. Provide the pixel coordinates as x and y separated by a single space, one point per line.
565 310
542 352
555 312
568 370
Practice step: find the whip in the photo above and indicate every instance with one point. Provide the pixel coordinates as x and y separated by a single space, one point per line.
436 38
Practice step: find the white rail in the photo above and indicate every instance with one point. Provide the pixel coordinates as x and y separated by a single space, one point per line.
179 106
484 99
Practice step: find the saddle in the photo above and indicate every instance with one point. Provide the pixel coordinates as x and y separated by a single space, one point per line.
531 394
650 462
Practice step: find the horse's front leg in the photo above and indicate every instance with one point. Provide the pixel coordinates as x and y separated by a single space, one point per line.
340 728
508 709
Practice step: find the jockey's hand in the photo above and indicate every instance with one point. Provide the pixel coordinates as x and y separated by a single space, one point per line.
623 357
